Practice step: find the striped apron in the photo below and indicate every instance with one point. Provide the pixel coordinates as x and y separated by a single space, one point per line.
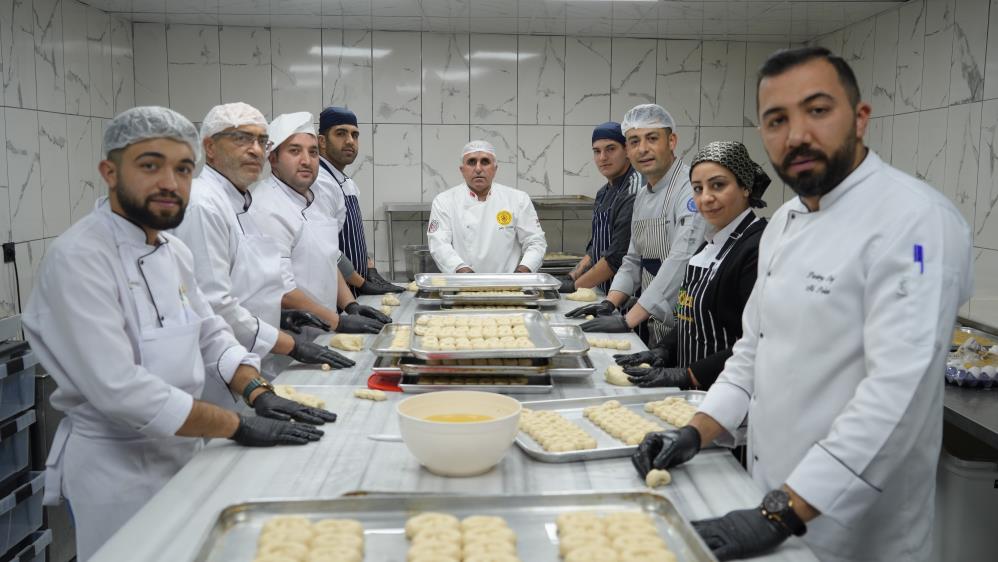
699 334
352 242
603 229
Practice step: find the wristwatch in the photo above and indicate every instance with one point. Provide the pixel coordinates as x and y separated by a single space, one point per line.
778 507
253 384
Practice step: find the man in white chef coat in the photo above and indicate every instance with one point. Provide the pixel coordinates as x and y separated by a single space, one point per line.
237 265
119 322
839 370
666 230
302 223
483 226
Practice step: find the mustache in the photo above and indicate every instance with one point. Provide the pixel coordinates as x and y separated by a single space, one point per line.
803 151
165 195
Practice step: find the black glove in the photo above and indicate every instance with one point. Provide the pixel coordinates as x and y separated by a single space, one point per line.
603 308
567 285
270 405
373 287
255 431
373 275
314 354
656 357
666 449
741 534
368 311
294 320
614 324
357 324
659 376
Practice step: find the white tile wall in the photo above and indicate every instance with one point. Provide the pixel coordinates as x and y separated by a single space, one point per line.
938 119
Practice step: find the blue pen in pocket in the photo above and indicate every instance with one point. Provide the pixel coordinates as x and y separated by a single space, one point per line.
920 258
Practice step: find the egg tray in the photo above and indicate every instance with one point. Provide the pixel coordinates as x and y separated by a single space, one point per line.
234 534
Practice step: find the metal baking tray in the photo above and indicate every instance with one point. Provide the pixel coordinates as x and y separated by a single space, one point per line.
546 343
575 366
547 297
573 339
234 534
606 446
455 297
569 261
565 366
536 384
386 365
457 281
381 346
417 366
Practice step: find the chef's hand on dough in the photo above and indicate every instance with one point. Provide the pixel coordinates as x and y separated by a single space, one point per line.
656 357
567 285
358 324
294 320
603 308
744 533
312 353
270 405
254 431
666 449
370 312
659 376
373 275
376 287
613 324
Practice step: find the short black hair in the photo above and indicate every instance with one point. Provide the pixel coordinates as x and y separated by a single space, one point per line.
785 59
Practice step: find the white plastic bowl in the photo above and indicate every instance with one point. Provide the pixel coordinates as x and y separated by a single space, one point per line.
464 448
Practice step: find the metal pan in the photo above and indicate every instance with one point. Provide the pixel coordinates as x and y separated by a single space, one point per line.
382 344
417 366
528 296
456 281
535 384
606 446
546 343
573 339
564 260
571 366
386 365
532 517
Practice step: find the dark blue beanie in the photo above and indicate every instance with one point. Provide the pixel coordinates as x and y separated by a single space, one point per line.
610 131
333 116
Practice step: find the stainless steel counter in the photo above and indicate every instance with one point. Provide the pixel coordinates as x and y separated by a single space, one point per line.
554 203
172 526
974 411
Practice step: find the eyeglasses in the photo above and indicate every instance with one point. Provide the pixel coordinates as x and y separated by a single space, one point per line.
242 139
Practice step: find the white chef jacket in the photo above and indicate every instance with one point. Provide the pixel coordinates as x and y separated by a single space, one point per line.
327 185
840 366
216 223
670 199
282 213
102 292
491 236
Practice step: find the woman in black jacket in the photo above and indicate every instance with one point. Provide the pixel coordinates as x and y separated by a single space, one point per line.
727 184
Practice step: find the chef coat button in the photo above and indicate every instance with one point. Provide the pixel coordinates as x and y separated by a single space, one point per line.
755 458
760 335
161 318
142 262
769 274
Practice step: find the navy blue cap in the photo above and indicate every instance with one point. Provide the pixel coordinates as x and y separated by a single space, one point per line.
333 116
609 131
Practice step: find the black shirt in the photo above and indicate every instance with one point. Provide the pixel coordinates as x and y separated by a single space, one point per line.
620 208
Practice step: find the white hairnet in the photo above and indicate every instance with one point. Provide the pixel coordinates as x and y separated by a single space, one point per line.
230 115
478 146
647 116
149 122
286 125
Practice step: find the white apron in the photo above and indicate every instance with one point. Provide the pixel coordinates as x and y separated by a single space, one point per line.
313 260
108 471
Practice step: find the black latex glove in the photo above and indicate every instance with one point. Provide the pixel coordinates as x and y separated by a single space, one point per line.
294 320
254 431
567 285
312 353
613 324
666 449
270 405
357 324
373 287
659 376
373 275
656 357
367 311
602 308
741 534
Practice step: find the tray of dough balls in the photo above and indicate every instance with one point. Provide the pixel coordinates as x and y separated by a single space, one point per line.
456 282
474 335
569 527
560 366
601 427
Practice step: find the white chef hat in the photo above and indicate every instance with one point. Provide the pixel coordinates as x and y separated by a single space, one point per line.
149 122
478 146
286 125
230 115
647 116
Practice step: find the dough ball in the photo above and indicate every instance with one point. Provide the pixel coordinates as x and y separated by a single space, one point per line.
347 342
345 540
569 542
437 533
583 295
593 553
492 557
440 549
647 553
657 477
488 547
490 534
290 534
636 518
370 394
474 521
623 345
615 375
386 310
417 522
288 392
294 550
274 558
423 320
337 526
412 287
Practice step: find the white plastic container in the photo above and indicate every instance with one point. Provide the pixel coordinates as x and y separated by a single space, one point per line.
966 510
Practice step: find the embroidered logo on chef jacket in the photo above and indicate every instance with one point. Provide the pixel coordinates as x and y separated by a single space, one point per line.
504 218
818 283
434 225
691 206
